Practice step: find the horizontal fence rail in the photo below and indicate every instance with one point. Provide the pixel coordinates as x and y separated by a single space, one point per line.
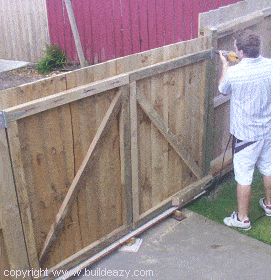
68 96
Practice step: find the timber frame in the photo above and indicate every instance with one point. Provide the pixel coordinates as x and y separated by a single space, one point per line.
125 103
127 98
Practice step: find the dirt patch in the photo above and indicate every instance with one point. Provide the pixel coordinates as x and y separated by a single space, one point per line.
27 74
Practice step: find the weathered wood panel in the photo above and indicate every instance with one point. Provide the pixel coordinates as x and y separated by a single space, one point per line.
24 29
231 12
44 169
51 146
178 98
18 95
10 219
28 92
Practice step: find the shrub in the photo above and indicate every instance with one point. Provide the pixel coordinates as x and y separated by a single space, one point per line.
53 59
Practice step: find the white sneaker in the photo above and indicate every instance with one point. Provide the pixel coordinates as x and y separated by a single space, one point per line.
266 208
233 221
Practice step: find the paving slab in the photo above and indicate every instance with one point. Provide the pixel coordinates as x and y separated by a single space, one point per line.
7 65
193 249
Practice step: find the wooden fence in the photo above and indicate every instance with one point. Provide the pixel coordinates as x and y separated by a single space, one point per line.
113 28
89 155
24 29
108 29
93 158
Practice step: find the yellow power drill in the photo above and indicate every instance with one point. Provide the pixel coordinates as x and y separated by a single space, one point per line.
230 55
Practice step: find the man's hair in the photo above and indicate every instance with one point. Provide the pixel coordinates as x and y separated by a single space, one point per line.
249 42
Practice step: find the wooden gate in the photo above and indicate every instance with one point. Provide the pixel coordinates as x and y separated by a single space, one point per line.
94 161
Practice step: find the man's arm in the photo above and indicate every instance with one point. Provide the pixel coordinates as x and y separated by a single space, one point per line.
224 87
225 67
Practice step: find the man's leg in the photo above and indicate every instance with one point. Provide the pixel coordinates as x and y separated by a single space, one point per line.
244 159
267 189
243 201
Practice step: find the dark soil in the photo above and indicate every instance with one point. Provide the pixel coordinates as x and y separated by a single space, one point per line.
27 74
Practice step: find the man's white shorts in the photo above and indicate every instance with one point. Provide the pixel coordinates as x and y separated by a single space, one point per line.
247 155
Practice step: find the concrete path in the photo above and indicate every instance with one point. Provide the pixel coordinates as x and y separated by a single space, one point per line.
7 65
193 249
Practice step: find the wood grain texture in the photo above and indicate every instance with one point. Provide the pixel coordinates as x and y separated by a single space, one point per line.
168 135
62 98
24 29
23 195
9 210
80 176
187 194
134 132
31 91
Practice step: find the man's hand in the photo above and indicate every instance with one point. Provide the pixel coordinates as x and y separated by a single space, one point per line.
223 59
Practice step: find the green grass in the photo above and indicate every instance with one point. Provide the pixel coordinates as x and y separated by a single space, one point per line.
222 202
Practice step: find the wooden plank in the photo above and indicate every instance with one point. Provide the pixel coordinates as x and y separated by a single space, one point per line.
169 65
188 193
125 153
135 28
80 176
9 211
154 211
160 188
143 24
145 150
88 251
152 31
178 173
208 120
121 241
169 136
168 22
221 163
239 24
23 198
230 12
134 151
23 25
221 99
65 97
75 32
30 91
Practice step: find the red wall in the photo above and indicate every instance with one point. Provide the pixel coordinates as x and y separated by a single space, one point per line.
115 28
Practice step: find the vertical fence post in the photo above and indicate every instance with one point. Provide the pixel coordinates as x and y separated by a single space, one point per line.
125 153
210 85
134 151
9 211
75 32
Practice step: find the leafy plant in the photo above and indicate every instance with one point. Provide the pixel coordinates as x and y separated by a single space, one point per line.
53 59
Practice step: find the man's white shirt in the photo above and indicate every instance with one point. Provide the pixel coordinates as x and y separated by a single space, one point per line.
249 84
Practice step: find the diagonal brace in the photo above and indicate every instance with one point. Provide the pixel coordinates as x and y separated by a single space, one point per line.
168 135
81 176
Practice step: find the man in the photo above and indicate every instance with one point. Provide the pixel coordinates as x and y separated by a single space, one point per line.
249 83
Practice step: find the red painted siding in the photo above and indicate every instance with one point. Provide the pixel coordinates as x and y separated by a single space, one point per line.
115 28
